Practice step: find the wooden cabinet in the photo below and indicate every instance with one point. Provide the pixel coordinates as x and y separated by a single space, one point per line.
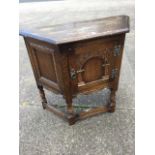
78 58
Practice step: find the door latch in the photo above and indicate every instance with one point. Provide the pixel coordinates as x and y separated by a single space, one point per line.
74 73
80 71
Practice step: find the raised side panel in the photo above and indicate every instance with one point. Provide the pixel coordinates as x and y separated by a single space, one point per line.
43 63
46 65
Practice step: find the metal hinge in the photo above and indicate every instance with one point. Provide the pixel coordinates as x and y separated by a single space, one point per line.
114 73
117 50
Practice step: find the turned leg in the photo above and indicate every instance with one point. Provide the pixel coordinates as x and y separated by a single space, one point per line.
112 103
71 115
69 104
42 95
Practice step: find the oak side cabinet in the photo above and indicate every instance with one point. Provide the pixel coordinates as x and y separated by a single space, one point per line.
77 58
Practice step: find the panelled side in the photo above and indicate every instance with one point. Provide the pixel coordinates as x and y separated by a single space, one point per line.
42 57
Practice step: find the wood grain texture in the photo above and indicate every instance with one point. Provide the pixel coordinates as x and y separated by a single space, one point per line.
77 31
80 58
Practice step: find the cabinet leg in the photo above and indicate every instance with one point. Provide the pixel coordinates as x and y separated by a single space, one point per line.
112 103
72 119
43 97
69 105
71 115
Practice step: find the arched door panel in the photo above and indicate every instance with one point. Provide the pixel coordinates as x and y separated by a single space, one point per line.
91 64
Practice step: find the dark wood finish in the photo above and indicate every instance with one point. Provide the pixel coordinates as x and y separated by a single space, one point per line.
42 95
77 58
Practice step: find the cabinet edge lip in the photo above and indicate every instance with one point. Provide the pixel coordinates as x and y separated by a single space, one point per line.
126 29
27 34
123 31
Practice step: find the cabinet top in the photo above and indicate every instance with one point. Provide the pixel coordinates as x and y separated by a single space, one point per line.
76 31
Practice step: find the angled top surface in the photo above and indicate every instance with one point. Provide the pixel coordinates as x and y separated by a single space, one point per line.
76 31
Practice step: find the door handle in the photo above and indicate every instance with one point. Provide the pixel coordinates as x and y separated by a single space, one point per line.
80 71
73 73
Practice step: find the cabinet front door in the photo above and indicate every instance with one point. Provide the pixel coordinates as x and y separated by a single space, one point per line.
92 63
